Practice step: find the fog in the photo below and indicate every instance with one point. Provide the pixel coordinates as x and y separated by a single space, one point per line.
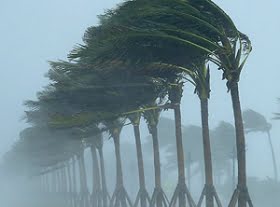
35 32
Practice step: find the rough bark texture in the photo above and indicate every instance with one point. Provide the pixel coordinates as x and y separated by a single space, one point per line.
207 153
240 146
273 156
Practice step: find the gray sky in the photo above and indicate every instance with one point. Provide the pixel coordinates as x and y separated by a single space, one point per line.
34 31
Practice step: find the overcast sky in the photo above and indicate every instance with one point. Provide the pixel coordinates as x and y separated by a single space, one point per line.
35 31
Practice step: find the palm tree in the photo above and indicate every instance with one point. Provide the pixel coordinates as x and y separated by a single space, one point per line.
201 35
142 195
201 80
159 198
230 49
181 192
255 122
120 196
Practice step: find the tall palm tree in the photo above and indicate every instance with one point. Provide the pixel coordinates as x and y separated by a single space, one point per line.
181 193
201 79
120 196
142 195
228 48
256 122
159 198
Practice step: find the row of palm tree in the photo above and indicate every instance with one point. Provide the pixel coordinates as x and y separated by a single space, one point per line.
135 63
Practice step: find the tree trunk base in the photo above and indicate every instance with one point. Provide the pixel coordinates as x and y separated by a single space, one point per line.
142 199
240 192
183 196
209 191
159 198
120 198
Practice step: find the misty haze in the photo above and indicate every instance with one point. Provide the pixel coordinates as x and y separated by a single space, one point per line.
139 103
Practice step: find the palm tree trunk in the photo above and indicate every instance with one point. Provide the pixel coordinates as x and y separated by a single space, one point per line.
154 133
64 181
103 177
53 189
119 173
159 199
74 182
240 146
140 164
233 168
180 152
58 181
207 153
96 187
273 156
70 190
83 181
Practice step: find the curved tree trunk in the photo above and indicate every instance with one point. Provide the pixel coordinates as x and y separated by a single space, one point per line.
273 156
207 153
103 178
240 146
96 187
140 166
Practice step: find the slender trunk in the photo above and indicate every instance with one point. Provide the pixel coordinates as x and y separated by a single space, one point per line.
58 181
83 180
53 181
233 168
103 177
69 190
140 163
65 183
207 152
74 194
154 133
179 144
240 146
96 188
273 156
180 152
119 173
